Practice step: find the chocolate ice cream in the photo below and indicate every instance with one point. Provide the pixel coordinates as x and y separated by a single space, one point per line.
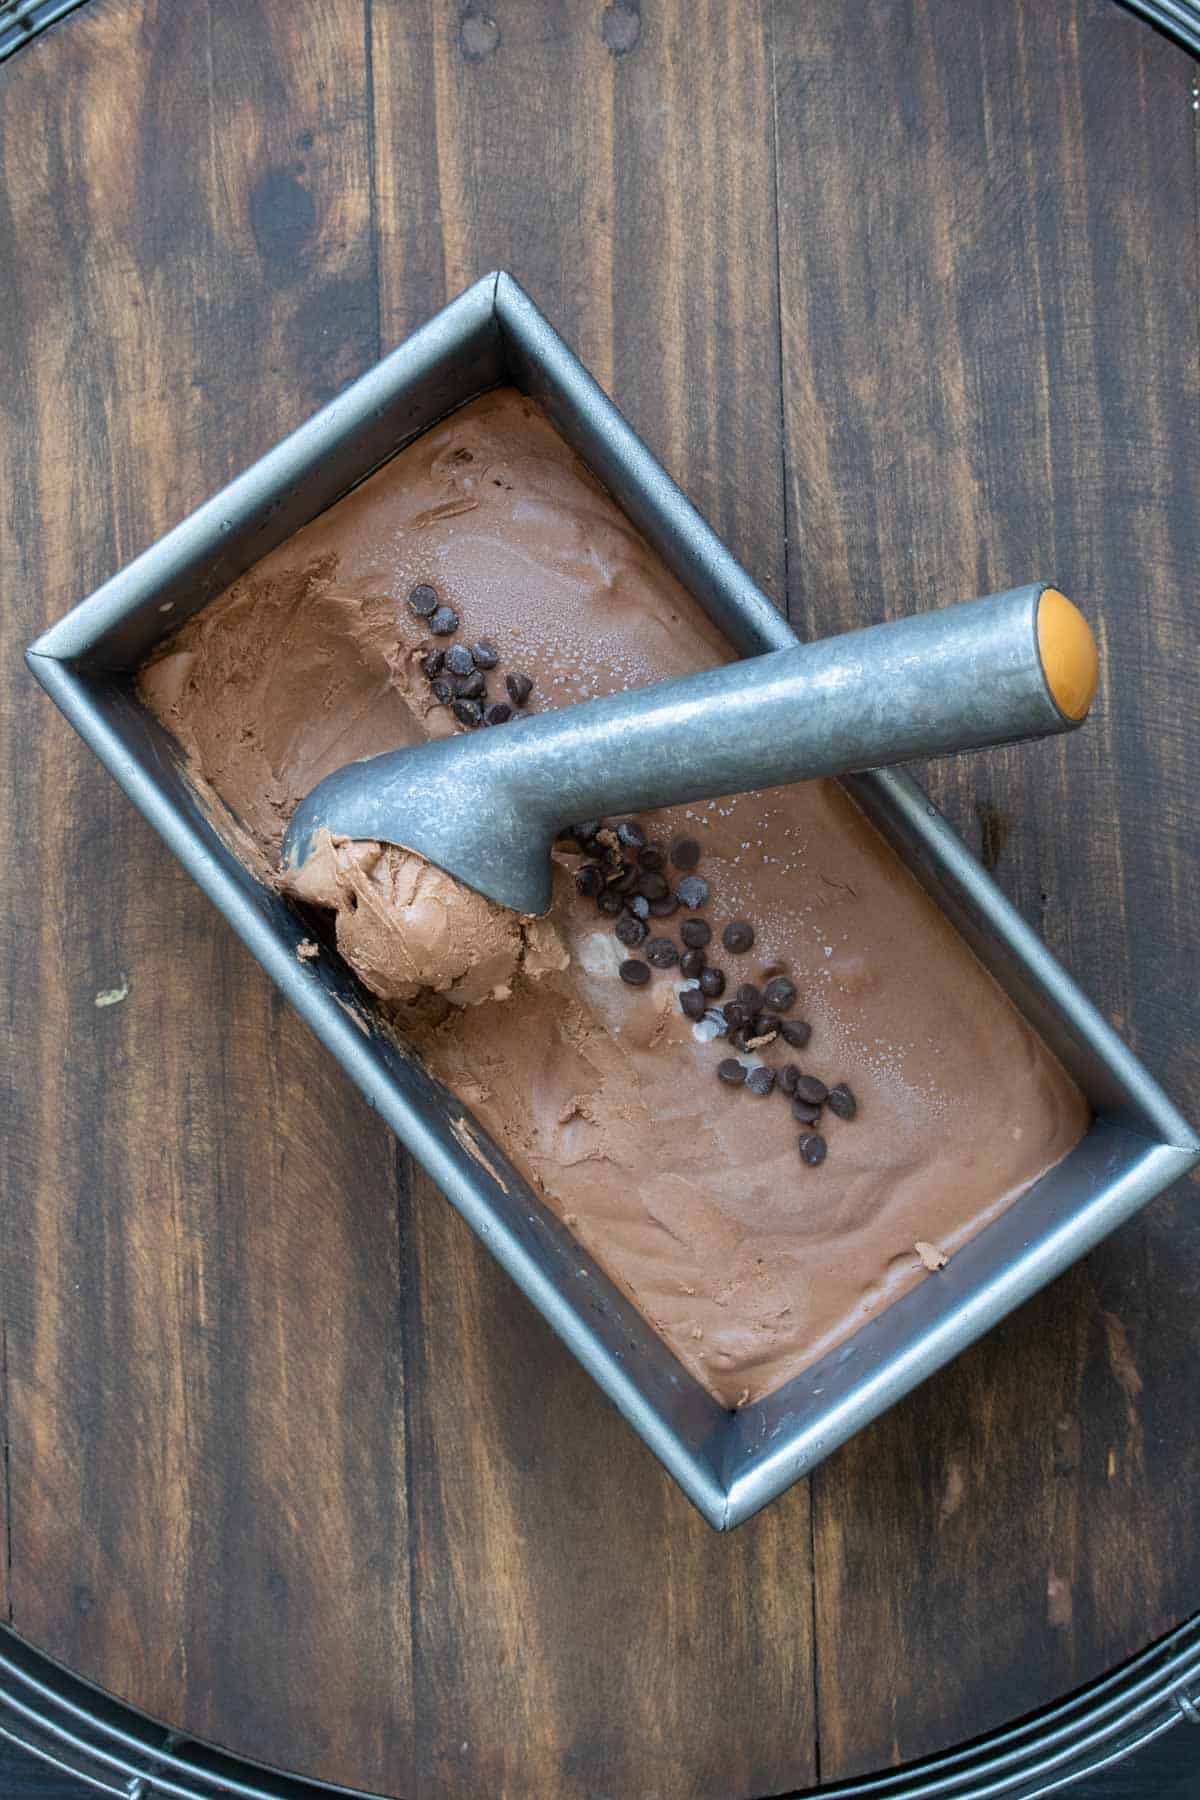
750 1249
407 928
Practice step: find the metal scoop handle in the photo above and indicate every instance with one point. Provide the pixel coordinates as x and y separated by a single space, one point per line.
486 806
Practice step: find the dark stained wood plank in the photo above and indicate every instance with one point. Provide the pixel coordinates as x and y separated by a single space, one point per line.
560 1582
631 191
201 1267
991 374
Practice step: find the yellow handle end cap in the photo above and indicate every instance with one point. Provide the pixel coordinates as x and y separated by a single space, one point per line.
1070 659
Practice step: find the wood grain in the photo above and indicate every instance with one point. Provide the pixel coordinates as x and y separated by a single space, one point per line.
631 190
290 1462
201 1268
991 376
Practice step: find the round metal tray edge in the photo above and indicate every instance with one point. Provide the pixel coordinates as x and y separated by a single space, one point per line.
101 1741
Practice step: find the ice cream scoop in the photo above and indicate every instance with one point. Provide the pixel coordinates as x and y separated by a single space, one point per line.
486 806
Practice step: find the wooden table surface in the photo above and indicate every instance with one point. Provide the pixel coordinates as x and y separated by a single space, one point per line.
903 292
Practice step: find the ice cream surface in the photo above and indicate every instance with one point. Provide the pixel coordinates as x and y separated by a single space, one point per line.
689 1187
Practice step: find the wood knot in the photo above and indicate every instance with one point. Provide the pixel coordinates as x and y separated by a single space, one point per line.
621 27
478 34
283 216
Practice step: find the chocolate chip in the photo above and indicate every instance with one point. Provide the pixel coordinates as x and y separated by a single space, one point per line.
811 1089
789 1075
485 653
693 890
472 686
739 1036
631 835
443 690
693 962
610 903
423 600
499 713
695 933
663 909
736 1013
731 1071
444 622
761 1080
842 1102
750 997
767 1022
653 885
639 906
631 931
716 1017
780 994
589 881
795 1032
651 857
584 832
712 983
808 1115
634 973
519 687
468 712
812 1148
431 663
691 1001
459 660
685 853
737 936
662 953
624 881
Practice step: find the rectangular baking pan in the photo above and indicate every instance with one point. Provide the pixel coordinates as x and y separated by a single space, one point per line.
730 1464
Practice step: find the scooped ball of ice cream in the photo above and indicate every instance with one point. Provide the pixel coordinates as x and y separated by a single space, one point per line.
407 928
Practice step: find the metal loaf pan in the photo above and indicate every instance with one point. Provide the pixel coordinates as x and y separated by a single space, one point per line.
730 1464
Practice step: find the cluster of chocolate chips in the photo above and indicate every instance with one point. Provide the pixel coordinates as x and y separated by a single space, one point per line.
457 675
637 883
630 878
807 1094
